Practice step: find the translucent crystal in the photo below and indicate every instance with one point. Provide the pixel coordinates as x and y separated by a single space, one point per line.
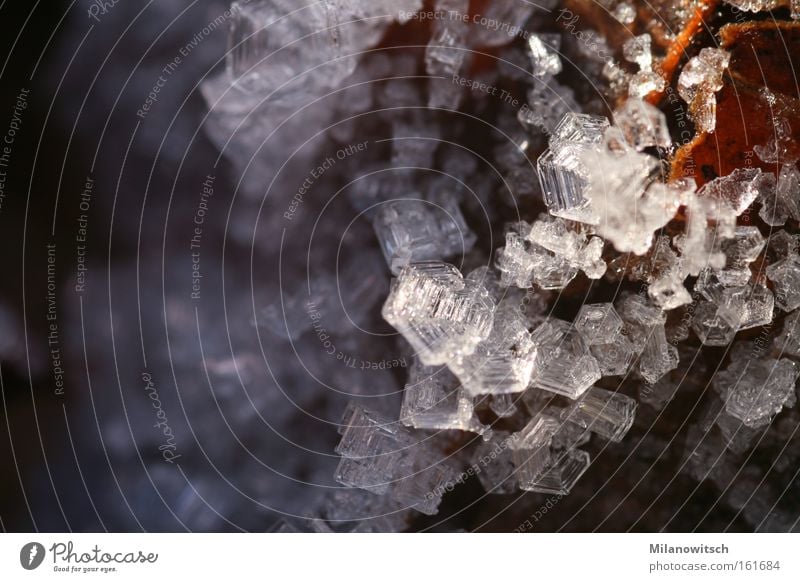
561 476
562 175
756 390
746 307
615 357
411 231
645 326
711 329
503 362
440 314
530 449
608 414
433 399
739 189
642 124
447 50
781 200
503 405
666 277
598 323
549 254
548 102
494 465
371 448
637 50
543 51
698 82
564 364
785 277
741 250
788 341
425 482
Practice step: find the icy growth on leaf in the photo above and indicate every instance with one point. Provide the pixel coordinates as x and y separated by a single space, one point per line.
756 390
503 362
605 413
698 82
411 231
642 124
785 277
564 363
433 399
562 174
548 254
442 315
530 449
637 50
543 51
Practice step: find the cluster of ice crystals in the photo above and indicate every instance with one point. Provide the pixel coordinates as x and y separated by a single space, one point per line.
548 254
433 399
564 363
530 450
383 457
442 315
605 413
411 231
698 83
503 362
739 189
755 390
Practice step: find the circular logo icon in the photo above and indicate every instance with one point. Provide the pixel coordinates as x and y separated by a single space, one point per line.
31 555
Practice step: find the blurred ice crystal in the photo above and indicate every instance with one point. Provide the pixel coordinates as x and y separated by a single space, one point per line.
382 456
503 405
447 50
605 413
642 124
788 341
755 390
530 450
543 51
564 363
411 231
624 12
494 464
512 15
503 362
637 50
433 399
442 315
698 82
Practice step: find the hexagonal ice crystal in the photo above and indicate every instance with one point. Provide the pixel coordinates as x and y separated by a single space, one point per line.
785 277
442 315
562 475
608 414
564 365
598 323
530 449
